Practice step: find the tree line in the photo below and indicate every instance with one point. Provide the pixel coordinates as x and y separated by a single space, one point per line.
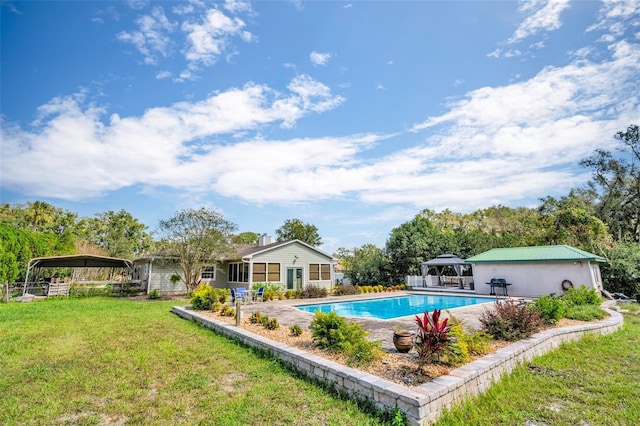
196 237
602 218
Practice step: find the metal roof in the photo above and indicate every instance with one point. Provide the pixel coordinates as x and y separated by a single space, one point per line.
79 261
559 253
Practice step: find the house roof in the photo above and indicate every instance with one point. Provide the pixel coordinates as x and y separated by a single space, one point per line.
558 253
248 251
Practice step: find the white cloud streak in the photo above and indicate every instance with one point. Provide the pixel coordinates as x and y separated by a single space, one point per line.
152 37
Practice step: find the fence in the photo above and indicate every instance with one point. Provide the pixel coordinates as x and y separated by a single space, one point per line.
445 282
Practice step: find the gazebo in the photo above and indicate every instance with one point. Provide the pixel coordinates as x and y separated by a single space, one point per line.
439 263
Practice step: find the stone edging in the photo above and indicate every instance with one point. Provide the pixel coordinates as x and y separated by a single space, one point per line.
425 403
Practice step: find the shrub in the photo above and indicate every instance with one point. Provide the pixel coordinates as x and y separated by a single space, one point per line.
203 297
263 320
154 294
346 289
268 295
216 306
585 312
333 333
295 330
272 324
478 342
288 294
432 336
581 296
255 317
551 309
510 321
456 349
313 292
228 311
363 352
380 288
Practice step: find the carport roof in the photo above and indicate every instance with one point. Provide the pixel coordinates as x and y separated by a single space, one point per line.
79 261
559 253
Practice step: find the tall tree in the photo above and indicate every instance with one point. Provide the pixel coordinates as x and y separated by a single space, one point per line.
412 243
366 265
616 180
246 238
118 233
198 238
38 216
295 229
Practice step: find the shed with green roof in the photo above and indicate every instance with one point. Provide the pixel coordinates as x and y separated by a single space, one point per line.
536 271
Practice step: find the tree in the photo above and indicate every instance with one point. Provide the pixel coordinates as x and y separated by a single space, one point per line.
198 239
616 181
366 265
246 238
118 233
295 229
38 216
412 243
621 273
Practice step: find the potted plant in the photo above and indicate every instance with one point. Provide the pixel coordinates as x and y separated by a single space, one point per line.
402 340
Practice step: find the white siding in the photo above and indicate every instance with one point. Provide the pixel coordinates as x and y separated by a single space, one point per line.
534 279
296 255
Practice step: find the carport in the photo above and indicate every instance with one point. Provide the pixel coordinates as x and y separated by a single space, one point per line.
72 261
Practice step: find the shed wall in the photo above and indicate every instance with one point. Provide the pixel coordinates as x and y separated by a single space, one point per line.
536 278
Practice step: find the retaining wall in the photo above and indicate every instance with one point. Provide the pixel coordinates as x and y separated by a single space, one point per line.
425 403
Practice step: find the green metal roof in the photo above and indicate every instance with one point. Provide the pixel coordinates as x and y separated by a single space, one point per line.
535 254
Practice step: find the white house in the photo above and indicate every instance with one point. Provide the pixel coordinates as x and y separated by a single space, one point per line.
536 271
293 265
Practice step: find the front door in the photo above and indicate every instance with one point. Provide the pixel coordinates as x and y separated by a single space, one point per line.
294 278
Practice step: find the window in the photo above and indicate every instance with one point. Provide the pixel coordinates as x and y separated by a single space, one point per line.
238 273
263 272
319 272
208 273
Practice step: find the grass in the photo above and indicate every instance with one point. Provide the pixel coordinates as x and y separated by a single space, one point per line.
594 381
108 361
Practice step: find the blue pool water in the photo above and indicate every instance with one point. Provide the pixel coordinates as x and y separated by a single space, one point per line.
394 307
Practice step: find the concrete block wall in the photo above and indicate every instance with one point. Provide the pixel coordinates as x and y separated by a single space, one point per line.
425 403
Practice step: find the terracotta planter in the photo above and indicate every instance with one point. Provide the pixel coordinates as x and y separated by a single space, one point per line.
403 341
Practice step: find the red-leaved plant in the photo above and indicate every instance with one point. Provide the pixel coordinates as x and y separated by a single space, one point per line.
432 336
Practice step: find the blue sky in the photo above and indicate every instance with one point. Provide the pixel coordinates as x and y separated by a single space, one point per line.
352 116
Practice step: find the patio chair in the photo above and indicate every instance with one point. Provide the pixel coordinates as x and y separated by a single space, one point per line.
233 296
241 293
260 294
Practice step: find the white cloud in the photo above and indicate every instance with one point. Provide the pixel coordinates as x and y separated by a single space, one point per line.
235 6
542 15
318 58
70 140
210 38
162 75
152 36
546 18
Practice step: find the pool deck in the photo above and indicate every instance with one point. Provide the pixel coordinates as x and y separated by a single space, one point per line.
288 315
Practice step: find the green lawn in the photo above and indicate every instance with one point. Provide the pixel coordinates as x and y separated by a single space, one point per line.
109 361
595 381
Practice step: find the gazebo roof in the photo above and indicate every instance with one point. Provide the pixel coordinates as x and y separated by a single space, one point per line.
445 260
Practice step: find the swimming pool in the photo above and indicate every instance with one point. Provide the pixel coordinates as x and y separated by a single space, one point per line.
395 307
